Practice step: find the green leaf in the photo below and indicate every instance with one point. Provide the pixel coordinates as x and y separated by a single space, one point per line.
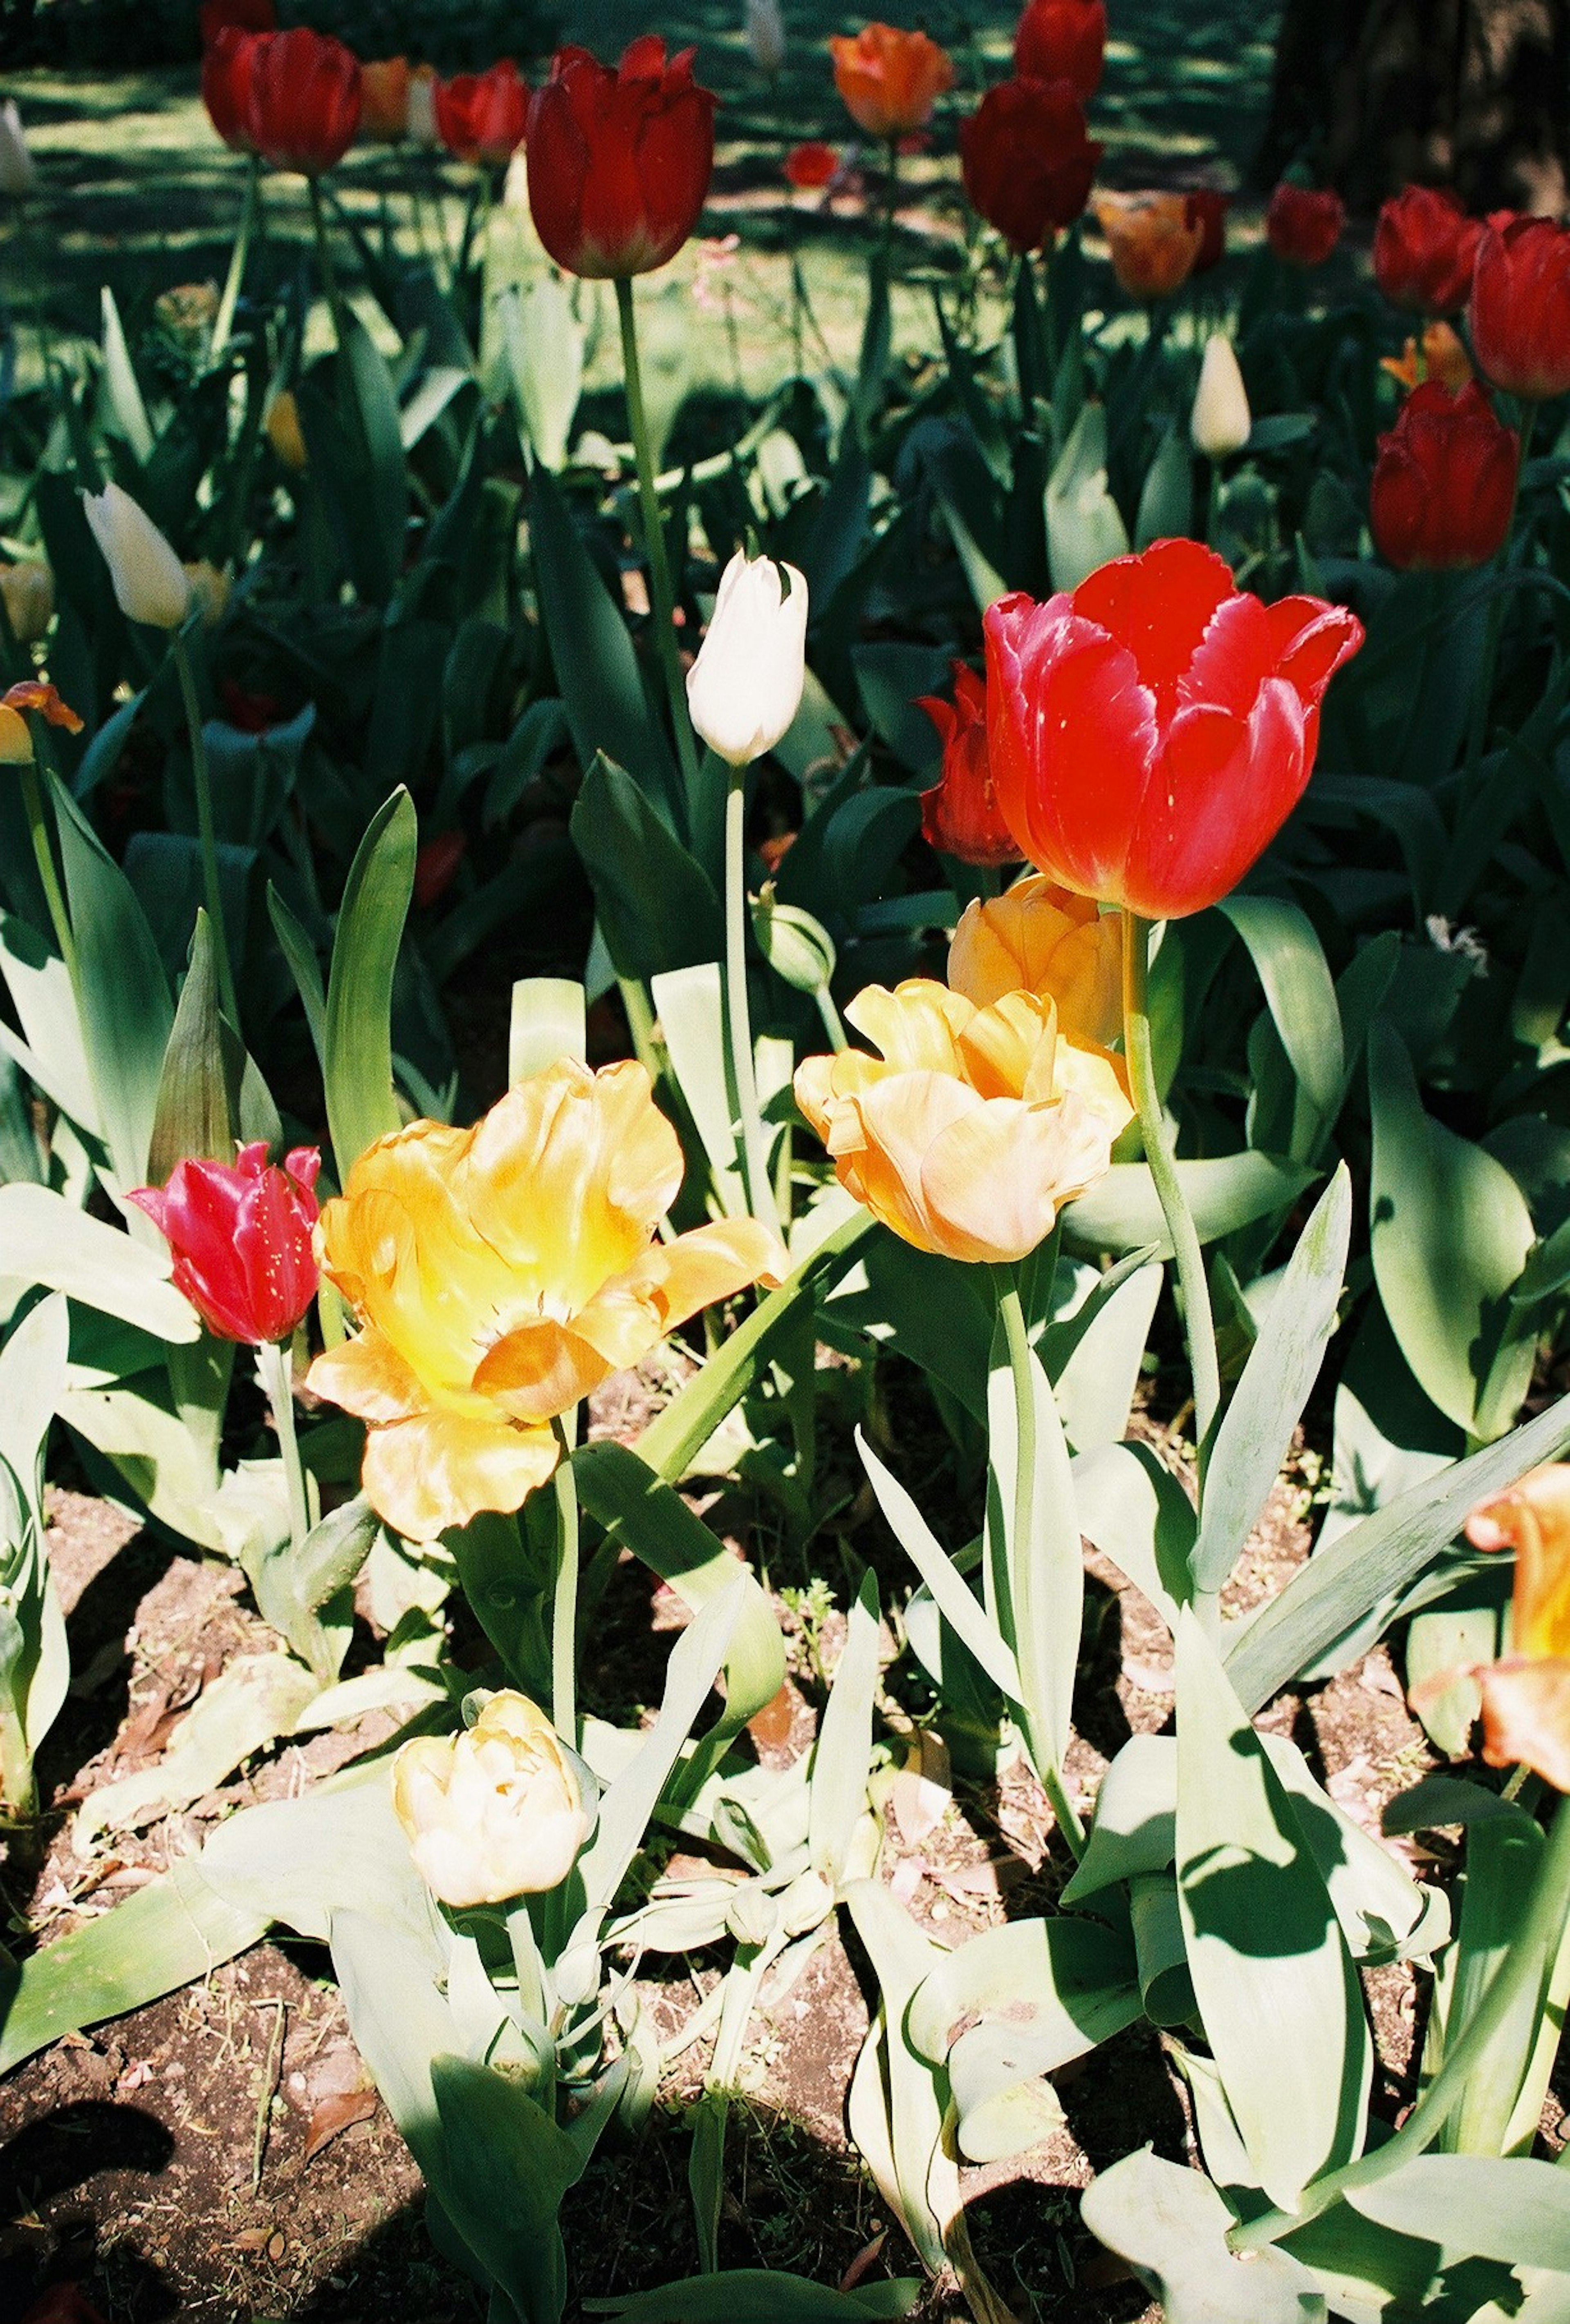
1171 2225
921 2181
1137 1513
1123 1212
690 1003
1064 1984
656 904
1298 990
954 1599
381 510
1083 527
1166 510
44 1239
196 1101
1039 1580
545 353
305 968
508 2167
255 1700
842 1758
1093 1358
547 1024
357 1028
1505 2207
756 2295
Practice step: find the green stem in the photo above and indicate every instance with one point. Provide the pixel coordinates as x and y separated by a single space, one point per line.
201 783
43 854
1158 1153
225 321
738 1015
329 277
831 1018
1536 1945
662 596
1011 1315
272 1363
563 1605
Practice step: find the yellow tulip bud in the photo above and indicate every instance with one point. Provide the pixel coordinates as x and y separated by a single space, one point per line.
28 590
209 591
745 687
283 430
149 581
1221 421
1038 937
493 1813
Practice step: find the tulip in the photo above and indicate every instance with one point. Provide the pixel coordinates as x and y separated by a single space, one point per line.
811 165
1526 1697
303 100
284 430
1150 733
209 591
502 1272
1221 421
241 1236
1026 161
890 80
150 584
619 163
495 1813
15 736
1303 226
227 65
17 175
1445 358
1424 249
215 16
1207 210
27 593
1062 40
1038 937
960 814
384 101
482 117
975 1126
765 30
1519 313
421 120
745 687
1153 240
1443 487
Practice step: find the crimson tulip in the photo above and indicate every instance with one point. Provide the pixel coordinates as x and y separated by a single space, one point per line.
1062 40
240 1235
619 162
226 84
303 100
1520 306
1443 486
1150 733
1206 209
1026 160
1424 249
1303 225
482 117
960 814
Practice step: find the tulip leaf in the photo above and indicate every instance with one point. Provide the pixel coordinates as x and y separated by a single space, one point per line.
1165 510
197 1090
1509 2208
1093 1357
251 1703
357 1028
657 905
383 496
1137 1513
896 2110
299 952
1064 1984
1298 990
1122 1213
44 1239
1499 2107
1038 1580
53 1054
1084 527
547 1024
508 2165
1171 2225
842 1758
757 2295
690 1004
953 1596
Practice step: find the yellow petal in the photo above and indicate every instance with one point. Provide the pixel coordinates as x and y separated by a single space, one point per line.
996 1178
1526 1717
1040 938
543 1369
1534 1519
1008 1049
672 1280
899 1119
917 1025
439 1470
1099 1080
369 1377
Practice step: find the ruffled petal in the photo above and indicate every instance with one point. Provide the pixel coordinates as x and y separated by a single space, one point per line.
540 1369
368 1377
1525 1718
425 1475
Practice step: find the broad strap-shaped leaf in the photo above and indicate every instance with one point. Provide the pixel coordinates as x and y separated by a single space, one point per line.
1171 2226
357 1028
1038 1580
1298 990
842 1760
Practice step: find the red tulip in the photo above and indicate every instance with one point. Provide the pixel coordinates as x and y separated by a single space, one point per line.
244 15
960 814
1304 225
619 162
1423 247
811 165
1062 40
435 867
1520 306
1444 485
482 117
240 1235
1150 733
303 102
226 82
1207 209
1026 160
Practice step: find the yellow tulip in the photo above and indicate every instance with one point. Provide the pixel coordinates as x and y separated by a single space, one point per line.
283 430
15 734
974 1127
494 1812
501 1273
1526 1698
28 591
1038 937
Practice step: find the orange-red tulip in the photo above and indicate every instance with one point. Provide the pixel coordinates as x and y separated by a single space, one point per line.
890 80
1154 240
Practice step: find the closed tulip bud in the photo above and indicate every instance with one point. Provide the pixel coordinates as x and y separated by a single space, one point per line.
28 592
1062 40
150 584
1153 238
619 159
17 175
240 1235
482 117
765 29
1521 307
1443 486
1206 209
890 79
1038 937
495 1813
302 100
1221 421
1026 161
745 687
960 814
209 591
283 430
1304 223
1425 247
384 101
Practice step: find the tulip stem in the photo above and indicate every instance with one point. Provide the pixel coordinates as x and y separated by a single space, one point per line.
224 322
743 1079
564 1606
272 1363
201 783
1159 1153
329 275
49 878
662 596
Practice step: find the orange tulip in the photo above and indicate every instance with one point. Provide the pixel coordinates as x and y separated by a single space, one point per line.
1036 937
890 79
1154 240
384 101
16 738
1526 1698
1445 358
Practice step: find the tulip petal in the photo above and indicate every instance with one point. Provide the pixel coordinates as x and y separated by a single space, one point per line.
425 1475
368 1377
916 1026
1159 605
1226 787
1526 1717
542 1368
992 1180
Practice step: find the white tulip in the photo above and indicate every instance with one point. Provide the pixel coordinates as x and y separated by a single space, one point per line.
1221 421
17 174
766 35
150 584
745 687
494 1812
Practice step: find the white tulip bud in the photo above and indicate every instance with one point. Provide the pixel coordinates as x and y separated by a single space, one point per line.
766 35
745 687
150 584
17 175
494 1813
1221 421
28 590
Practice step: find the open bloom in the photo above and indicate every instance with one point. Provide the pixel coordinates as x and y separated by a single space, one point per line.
241 1236
1444 483
1424 249
17 174
482 117
494 1812
1303 223
1445 358
1521 307
745 687
619 162
150 582
27 593
1027 160
226 61
302 100
974 1127
384 101
960 814
1153 238
890 80
1221 421
1526 1698
1038 937
1206 209
502 1272
15 736
1152 731
1062 40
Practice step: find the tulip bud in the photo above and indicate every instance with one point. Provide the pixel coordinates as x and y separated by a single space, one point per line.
149 581
494 1813
283 430
209 591
765 28
17 175
28 591
796 946
745 687
1221 421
